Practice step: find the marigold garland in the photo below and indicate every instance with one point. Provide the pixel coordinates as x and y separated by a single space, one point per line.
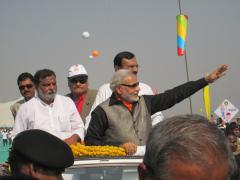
80 150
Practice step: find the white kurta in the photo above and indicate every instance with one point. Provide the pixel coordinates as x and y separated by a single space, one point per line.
60 118
104 92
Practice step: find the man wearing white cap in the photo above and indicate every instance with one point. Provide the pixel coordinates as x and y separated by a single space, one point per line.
50 111
82 96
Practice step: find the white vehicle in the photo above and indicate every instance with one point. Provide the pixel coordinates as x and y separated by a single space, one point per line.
104 168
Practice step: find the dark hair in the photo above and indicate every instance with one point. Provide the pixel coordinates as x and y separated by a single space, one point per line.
122 55
229 133
230 127
43 73
24 76
17 161
186 138
18 176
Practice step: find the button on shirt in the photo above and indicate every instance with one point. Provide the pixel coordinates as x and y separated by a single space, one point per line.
60 118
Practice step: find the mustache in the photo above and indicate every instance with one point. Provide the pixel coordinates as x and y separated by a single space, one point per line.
51 92
26 91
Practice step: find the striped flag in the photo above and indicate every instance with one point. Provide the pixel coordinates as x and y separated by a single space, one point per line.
182 25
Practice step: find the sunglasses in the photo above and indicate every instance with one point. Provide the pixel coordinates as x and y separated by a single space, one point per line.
131 85
28 86
82 80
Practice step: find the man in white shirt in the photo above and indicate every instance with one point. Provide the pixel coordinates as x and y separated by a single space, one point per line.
123 60
4 138
49 111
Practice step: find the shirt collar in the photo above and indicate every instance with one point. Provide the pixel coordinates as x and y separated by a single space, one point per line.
77 100
116 100
113 100
45 104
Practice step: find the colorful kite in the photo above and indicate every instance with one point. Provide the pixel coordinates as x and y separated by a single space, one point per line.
182 23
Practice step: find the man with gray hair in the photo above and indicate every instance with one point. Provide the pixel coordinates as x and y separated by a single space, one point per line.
123 60
125 118
187 147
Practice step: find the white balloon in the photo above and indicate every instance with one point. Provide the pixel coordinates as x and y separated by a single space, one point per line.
86 35
91 57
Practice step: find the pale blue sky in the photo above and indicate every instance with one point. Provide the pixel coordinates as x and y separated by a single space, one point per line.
38 34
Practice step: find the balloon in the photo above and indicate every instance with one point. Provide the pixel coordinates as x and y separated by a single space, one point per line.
86 35
95 53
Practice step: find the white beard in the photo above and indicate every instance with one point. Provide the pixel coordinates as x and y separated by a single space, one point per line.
130 98
47 97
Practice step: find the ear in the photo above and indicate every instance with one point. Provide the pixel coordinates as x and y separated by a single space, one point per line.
118 90
142 171
32 171
117 68
26 169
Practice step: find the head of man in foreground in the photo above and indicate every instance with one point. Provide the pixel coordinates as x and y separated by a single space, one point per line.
187 147
40 155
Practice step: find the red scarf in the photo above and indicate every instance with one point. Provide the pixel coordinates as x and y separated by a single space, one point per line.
128 105
79 103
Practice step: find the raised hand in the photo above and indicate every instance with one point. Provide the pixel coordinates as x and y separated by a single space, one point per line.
219 72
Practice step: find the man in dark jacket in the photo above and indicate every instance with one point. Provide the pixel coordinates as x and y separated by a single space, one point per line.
124 119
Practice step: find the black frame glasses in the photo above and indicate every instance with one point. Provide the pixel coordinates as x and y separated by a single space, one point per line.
81 80
131 85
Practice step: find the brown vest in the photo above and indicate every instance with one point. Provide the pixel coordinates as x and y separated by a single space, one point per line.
125 126
88 102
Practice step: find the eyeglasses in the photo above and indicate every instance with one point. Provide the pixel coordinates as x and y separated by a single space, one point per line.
28 86
131 66
131 85
82 80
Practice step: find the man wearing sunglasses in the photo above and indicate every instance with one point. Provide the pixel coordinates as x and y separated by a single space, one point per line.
125 118
82 96
124 60
50 111
27 89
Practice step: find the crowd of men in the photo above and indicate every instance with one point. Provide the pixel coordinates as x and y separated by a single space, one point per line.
123 112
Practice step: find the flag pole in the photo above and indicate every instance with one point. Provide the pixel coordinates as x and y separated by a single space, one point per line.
179 5
186 64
